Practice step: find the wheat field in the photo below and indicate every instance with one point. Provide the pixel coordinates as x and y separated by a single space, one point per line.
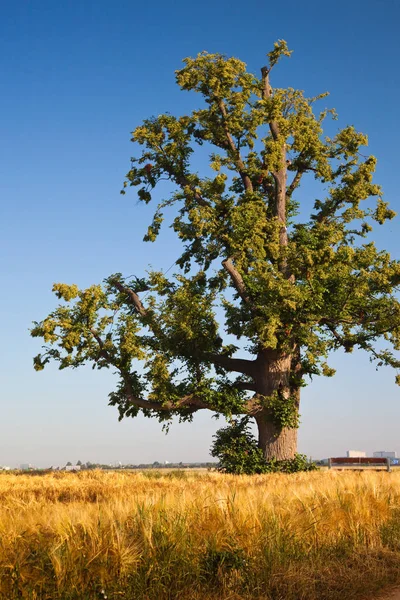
201 536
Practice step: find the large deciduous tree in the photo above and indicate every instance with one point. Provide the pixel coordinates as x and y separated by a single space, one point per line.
290 289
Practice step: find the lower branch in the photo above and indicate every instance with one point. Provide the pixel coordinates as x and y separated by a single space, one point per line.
189 401
239 365
244 385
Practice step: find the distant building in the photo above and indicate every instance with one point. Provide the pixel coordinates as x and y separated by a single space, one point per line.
355 454
73 468
384 454
25 467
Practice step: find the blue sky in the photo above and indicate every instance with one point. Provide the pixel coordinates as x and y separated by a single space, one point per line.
77 77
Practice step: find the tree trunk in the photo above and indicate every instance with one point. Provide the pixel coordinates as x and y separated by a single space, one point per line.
273 377
274 442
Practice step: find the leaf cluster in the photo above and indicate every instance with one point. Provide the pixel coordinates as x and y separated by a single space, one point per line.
280 283
236 448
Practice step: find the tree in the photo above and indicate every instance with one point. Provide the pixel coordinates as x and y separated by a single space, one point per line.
290 289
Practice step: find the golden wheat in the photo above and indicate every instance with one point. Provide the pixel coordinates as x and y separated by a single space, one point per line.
322 535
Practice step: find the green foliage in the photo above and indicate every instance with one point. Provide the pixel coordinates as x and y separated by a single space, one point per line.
283 286
297 464
236 448
280 49
284 411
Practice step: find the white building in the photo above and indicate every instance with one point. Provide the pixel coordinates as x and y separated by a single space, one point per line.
73 468
355 454
384 454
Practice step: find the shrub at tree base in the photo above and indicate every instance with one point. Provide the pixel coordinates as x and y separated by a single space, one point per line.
236 448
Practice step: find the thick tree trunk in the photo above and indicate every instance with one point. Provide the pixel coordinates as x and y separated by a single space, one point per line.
275 443
273 377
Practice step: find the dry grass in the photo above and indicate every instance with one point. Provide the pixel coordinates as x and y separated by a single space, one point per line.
310 536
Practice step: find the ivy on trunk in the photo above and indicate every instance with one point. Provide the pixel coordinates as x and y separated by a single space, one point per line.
290 290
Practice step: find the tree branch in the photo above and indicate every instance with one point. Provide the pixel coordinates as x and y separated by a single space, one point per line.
244 385
191 402
302 167
235 151
100 342
253 406
239 365
237 280
183 182
342 341
181 179
132 297
280 175
266 94
295 182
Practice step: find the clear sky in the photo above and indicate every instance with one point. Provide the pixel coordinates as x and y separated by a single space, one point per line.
76 78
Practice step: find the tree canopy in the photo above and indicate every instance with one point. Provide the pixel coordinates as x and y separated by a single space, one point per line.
289 290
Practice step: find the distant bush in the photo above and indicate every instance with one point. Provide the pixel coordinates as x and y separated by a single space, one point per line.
236 448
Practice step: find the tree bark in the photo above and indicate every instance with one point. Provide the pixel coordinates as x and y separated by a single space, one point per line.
274 442
272 377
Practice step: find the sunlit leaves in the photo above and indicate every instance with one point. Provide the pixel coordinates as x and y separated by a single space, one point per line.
280 49
337 289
